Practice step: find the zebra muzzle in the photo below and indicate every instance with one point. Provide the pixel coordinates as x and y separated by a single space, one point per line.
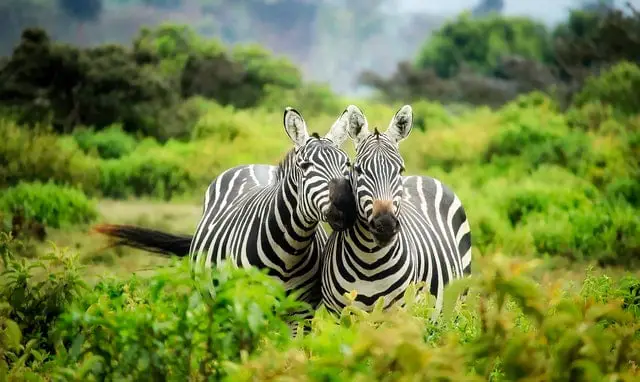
384 227
342 211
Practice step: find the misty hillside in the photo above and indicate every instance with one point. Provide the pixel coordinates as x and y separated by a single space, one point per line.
329 41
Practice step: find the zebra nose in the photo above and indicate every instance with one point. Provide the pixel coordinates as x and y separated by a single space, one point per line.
384 227
341 194
342 209
385 223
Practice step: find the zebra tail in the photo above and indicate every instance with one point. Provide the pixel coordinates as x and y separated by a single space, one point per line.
146 239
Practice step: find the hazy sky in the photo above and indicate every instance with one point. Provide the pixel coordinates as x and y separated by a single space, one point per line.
548 11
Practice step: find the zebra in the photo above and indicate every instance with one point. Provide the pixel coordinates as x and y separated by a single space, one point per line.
265 216
408 228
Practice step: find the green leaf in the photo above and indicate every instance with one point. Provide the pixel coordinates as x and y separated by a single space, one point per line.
76 346
14 335
451 294
4 371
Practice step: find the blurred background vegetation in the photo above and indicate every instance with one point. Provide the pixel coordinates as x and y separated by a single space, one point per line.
129 114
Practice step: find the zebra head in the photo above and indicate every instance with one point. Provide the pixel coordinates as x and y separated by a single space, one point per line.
321 164
376 177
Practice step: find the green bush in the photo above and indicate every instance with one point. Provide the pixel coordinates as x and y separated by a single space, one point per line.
309 99
428 114
160 328
544 191
607 233
47 203
481 42
627 189
34 155
30 307
538 145
618 86
109 143
222 123
156 173
509 329
592 116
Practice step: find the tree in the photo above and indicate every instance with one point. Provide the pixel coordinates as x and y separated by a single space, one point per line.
592 40
480 43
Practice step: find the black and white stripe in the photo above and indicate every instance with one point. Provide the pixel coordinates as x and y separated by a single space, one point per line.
409 228
268 216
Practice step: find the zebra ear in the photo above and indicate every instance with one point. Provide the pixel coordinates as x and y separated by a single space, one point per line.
401 124
295 126
338 133
357 125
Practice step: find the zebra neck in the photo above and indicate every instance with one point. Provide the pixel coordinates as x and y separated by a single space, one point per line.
287 218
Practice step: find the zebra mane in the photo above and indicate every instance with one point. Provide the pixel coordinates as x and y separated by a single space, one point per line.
286 163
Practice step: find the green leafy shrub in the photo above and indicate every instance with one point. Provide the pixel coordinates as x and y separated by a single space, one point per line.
30 306
508 329
617 86
625 189
309 99
592 116
538 140
47 203
545 190
612 159
222 123
155 173
428 114
608 233
162 328
109 143
34 155
481 42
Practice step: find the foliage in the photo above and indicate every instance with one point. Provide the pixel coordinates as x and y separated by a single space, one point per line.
507 328
537 139
603 232
30 306
157 173
109 143
38 155
93 87
616 87
143 328
164 328
48 204
509 166
145 89
491 60
481 42
594 40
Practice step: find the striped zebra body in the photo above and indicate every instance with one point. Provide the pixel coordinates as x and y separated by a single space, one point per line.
265 216
269 216
248 220
409 228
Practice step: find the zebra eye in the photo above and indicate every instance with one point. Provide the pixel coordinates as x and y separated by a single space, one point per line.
357 169
305 165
